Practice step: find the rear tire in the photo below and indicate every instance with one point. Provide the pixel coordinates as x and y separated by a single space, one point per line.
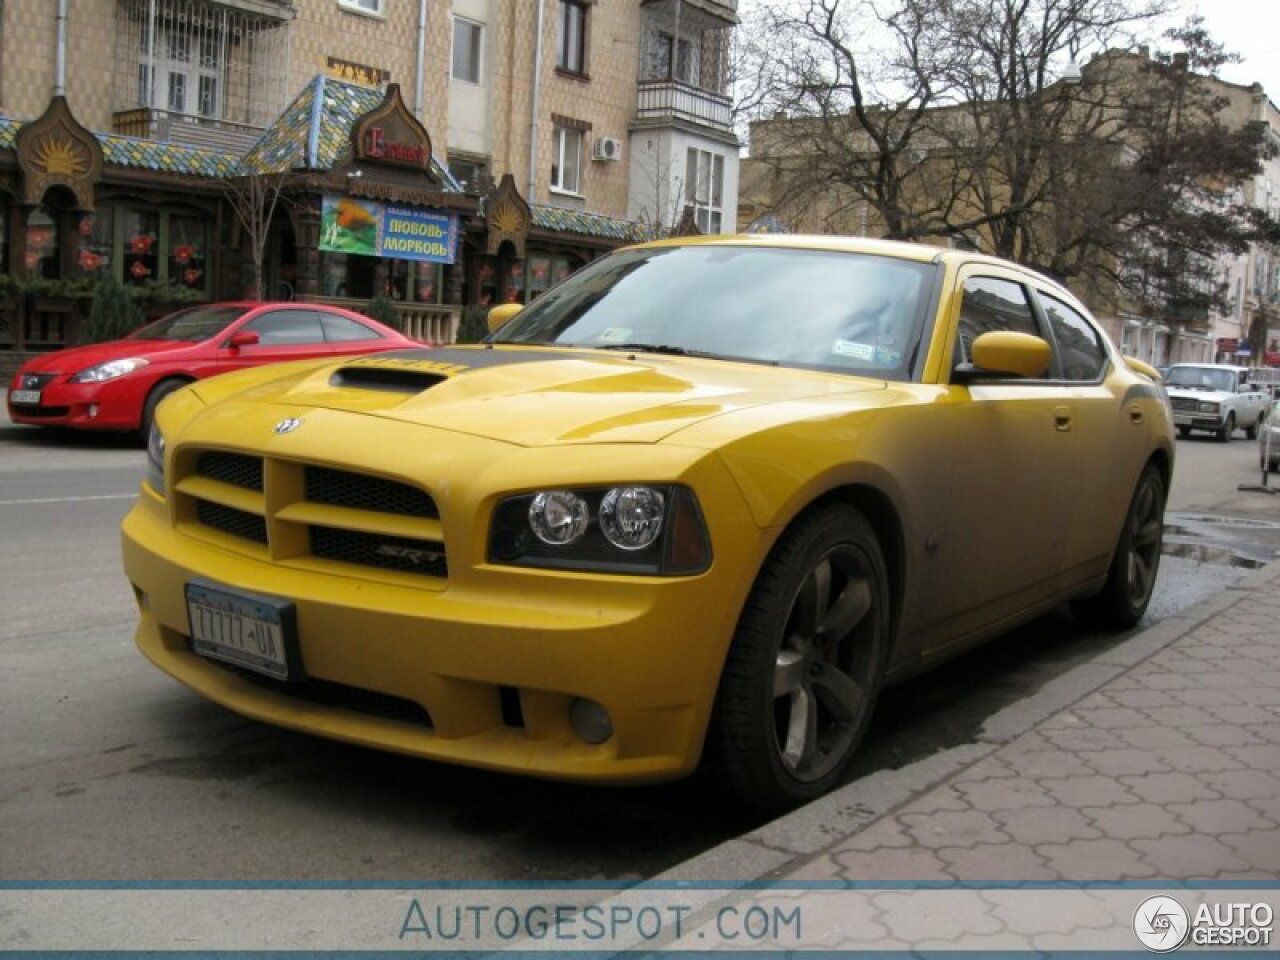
805 667
1132 576
158 393
1251 431
1228 429
1184 432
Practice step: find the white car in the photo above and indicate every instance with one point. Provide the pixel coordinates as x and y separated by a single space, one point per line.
1215 397
1269 440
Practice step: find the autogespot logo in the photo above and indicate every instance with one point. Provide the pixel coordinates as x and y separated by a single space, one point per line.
1161 924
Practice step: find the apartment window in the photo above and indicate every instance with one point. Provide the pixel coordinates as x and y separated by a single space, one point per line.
571 36
467 38
182 70
566 159
470 174
675 58
365 6
704 188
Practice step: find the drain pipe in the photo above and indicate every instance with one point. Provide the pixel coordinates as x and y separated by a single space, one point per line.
534 108
60 52
419 82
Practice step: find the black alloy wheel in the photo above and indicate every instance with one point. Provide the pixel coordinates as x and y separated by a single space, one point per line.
805 667
1131 579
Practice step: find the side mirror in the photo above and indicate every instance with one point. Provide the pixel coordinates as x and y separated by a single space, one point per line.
500 315
1148 371
243 338
1003 353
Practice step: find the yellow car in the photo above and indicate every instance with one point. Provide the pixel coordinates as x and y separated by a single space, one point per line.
699 502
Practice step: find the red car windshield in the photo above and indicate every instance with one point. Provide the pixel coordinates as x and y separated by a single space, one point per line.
194 323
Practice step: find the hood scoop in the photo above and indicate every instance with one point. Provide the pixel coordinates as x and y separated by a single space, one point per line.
386 379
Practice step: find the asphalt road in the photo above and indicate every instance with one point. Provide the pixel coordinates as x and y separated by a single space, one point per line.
109 770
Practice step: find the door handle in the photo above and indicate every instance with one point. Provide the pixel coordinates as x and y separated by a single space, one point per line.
1062 418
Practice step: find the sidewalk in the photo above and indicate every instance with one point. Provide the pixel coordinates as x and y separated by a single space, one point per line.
1158 760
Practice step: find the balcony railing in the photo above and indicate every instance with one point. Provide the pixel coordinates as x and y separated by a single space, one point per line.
209 134
668 100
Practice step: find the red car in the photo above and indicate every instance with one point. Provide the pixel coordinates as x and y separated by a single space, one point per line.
117 385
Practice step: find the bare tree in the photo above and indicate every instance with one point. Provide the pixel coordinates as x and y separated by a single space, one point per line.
255 198
971 119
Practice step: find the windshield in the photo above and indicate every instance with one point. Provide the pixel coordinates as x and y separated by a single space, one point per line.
1202 378
855 313
194 323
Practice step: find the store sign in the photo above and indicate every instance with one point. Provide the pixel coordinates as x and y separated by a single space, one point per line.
390 134
372 229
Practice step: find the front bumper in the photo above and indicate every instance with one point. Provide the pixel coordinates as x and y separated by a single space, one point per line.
492 659
1199 421
113 405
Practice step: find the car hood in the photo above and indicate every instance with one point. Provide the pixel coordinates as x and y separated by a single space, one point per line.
1215 396
75 359
537 396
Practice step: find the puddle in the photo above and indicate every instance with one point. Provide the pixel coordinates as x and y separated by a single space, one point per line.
1243 522
1209 553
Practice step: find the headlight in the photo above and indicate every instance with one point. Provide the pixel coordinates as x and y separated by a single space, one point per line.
109 370
631 517
630 528
1205 407
558 517
155 460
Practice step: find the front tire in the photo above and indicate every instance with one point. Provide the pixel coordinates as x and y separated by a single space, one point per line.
806 664
1228 429
1184 432
158 393
1131 579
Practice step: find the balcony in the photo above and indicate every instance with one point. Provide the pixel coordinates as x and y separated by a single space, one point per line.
151 124
670 101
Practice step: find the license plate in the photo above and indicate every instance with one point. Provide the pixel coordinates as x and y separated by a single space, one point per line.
246 629
24 396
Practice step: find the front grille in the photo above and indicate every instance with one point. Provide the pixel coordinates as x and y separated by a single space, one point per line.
327 513
1184 403
238 523
31 410
341 488
375 550
328 694
35 381
233 468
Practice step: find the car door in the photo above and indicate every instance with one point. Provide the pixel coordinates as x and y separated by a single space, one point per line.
1016 452
285 333
1112 433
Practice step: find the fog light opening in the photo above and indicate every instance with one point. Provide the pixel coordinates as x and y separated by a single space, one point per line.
590 721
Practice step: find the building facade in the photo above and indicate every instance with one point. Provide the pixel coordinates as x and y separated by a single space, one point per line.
536 134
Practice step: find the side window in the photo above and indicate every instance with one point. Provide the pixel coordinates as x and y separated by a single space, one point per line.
343 329
285 327
1080 352
991 304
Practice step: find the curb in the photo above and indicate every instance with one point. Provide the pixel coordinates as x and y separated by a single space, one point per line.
782 845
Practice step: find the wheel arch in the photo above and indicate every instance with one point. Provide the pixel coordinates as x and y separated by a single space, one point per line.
180 378
885 519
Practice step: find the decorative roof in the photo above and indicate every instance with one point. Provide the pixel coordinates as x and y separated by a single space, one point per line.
165 157
591 224
313 131
147 154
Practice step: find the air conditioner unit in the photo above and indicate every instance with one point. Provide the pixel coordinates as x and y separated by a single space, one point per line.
606 148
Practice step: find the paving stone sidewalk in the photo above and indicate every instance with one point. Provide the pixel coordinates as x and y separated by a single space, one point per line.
1160 759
